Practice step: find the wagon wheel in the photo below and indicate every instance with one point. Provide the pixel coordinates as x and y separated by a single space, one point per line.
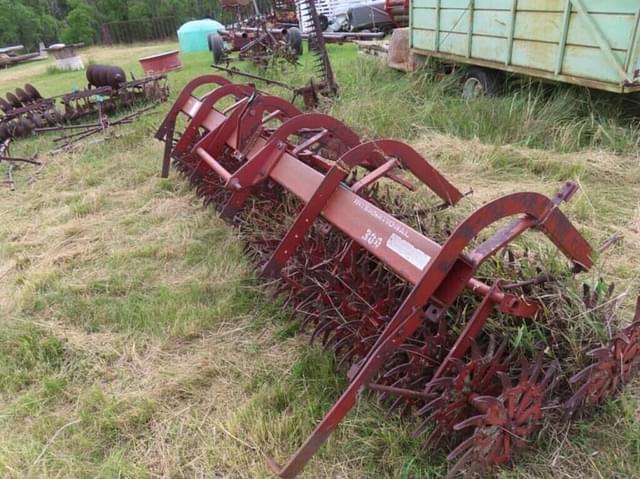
505 422
479 82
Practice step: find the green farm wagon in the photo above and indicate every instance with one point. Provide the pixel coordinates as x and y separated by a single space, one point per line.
593 43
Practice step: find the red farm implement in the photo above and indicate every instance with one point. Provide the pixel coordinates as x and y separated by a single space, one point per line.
413 317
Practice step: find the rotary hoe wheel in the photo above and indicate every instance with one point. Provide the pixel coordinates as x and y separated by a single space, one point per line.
614 365
505 422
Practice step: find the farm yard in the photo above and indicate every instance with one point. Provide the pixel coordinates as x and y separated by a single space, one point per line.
137 339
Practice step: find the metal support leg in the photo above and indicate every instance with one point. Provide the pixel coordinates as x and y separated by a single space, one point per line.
168 149
348 399
471 330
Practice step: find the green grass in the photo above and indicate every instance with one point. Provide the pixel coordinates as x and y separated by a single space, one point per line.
137 342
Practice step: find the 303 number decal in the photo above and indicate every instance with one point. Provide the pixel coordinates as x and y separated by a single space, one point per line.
372 239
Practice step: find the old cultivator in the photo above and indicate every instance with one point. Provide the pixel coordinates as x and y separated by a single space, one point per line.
414 317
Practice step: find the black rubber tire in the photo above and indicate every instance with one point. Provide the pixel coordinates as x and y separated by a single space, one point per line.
324 22
216 45
294 40
479 82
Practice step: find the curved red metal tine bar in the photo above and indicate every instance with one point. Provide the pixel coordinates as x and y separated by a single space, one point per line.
188 105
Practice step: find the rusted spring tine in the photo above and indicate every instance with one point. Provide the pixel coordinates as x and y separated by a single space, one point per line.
310 141
375 175
271 116
348 326
345 340
538 280
232 107
322 329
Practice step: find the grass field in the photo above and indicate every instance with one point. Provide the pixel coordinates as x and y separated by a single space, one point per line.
136 341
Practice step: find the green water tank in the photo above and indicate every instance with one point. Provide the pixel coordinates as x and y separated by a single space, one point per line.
192 36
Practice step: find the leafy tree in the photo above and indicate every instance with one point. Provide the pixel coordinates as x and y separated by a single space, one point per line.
80 23
28 22
49 29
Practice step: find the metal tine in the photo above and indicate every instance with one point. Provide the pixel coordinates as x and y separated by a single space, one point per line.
483 403
490 350
505 380
422 427
551 377
396 369
575 401
434 404
537 368
444 382
525 369
464 445
601 352
395 405
348 358
496 363
327 333
345 340
476 353
471 421
433 439
320 329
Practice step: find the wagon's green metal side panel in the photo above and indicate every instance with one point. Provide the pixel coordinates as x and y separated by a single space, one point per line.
595 43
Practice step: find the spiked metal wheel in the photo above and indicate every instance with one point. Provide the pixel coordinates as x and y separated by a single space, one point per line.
454 392
506 422
614 365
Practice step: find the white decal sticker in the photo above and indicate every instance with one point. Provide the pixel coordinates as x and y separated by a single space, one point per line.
407 251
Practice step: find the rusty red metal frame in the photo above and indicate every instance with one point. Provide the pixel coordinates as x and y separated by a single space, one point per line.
438 273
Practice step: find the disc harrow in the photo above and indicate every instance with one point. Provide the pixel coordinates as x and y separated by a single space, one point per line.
411 317
108 90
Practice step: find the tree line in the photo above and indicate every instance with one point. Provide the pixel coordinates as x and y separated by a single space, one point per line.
29 22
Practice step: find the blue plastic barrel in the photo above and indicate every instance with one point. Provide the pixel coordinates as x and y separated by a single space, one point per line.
192 36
